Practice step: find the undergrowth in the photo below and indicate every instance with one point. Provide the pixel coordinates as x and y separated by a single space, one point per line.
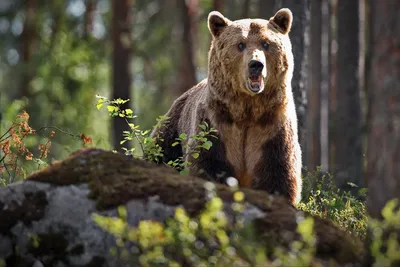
209 239
321 197
17 156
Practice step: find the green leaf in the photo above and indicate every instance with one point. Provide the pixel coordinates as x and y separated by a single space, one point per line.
195 155
207 145
112 109
175 143
184 172
163 117
128 112
183 136
120 101
100 103
133 126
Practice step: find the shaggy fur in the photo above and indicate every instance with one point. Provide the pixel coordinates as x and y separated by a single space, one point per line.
257 131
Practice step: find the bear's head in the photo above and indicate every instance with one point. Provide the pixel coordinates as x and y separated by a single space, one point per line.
251 55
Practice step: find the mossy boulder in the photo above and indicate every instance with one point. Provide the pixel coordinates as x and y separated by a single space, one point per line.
47 219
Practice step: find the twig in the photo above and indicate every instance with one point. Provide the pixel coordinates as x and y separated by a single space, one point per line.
3 157
8 172
1 137
15 169
1 140
137 138
58 129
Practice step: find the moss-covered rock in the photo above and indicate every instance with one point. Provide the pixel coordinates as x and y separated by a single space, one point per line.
108 179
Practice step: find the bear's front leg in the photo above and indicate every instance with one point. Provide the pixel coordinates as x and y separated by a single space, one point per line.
212 164
279 171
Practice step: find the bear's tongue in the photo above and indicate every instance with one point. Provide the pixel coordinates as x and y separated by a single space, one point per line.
255 81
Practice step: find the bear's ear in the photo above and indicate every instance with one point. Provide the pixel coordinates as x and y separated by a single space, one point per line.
282 20
216 23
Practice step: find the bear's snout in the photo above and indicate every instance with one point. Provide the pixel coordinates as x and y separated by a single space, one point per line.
255 67
255 80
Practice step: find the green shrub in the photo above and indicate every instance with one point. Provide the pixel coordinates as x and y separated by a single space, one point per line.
206 240
321 197
385 236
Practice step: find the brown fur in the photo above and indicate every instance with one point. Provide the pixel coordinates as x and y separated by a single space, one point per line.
257 132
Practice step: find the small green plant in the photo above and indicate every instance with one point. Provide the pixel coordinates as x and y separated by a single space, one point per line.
385 236
322 197
210 239
149 148
193 146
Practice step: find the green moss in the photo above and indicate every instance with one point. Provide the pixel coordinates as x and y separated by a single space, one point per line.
114 179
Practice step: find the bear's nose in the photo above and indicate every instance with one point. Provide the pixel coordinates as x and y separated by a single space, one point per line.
255 67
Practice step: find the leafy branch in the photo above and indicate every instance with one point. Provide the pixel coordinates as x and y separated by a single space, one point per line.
150 150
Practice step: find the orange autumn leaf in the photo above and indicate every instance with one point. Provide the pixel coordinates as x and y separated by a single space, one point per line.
28 156
23 115
86 139
5 146
44 149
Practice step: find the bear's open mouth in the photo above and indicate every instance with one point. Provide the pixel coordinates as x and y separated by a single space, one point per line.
255 83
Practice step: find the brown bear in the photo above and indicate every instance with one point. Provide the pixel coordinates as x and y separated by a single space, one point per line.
247 97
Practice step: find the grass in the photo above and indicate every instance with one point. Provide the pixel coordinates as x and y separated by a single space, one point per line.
321 197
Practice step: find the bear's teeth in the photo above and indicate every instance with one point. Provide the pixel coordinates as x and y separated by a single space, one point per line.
255 78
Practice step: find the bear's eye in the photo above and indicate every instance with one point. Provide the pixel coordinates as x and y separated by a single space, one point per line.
241 46
265 45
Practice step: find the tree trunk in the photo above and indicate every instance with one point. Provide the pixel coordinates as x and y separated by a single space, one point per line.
346 112
89 18
383 156
121 60
245 9
332 83
325 82
314 112
299 38
27 47
218 5
58 20
266 9
187 76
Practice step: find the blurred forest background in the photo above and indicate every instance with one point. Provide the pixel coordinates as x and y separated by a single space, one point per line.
56 56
